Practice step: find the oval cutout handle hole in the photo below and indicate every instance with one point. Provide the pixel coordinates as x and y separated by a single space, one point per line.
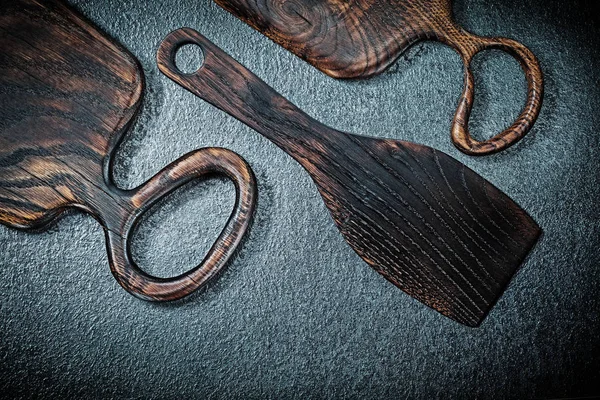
176 234
500 92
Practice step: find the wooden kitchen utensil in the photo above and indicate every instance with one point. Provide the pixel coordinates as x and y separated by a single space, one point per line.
361 38
67 96
426 222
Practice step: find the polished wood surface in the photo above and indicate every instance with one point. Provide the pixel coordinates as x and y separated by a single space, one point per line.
426 222
361 38
67 96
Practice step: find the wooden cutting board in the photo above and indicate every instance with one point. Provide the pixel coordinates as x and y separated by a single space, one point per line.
362 38
68 93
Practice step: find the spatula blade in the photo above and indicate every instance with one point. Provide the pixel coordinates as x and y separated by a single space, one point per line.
426 222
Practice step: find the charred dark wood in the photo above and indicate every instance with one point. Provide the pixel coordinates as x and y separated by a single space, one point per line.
361 38
67 95
426 222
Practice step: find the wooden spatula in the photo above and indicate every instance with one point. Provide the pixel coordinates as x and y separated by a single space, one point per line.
361 38
426 222
67 96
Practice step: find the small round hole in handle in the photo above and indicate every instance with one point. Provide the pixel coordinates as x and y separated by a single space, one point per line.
171 54
193 165
461 137
189 58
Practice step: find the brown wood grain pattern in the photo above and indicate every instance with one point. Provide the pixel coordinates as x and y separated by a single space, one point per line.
361 38
426 222
67 96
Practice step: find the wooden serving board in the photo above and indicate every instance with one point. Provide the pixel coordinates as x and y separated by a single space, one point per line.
67 95
362 38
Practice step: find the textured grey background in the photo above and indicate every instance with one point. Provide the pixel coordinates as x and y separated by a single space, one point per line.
297 314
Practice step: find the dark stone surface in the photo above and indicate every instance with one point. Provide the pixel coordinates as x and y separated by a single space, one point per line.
297 314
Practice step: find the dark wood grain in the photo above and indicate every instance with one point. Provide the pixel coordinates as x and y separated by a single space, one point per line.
67 96
361 38
426 222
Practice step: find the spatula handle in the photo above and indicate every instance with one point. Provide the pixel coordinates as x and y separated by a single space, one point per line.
121 222
229 86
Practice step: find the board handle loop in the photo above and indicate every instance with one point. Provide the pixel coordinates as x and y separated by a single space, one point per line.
196 164
468 45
